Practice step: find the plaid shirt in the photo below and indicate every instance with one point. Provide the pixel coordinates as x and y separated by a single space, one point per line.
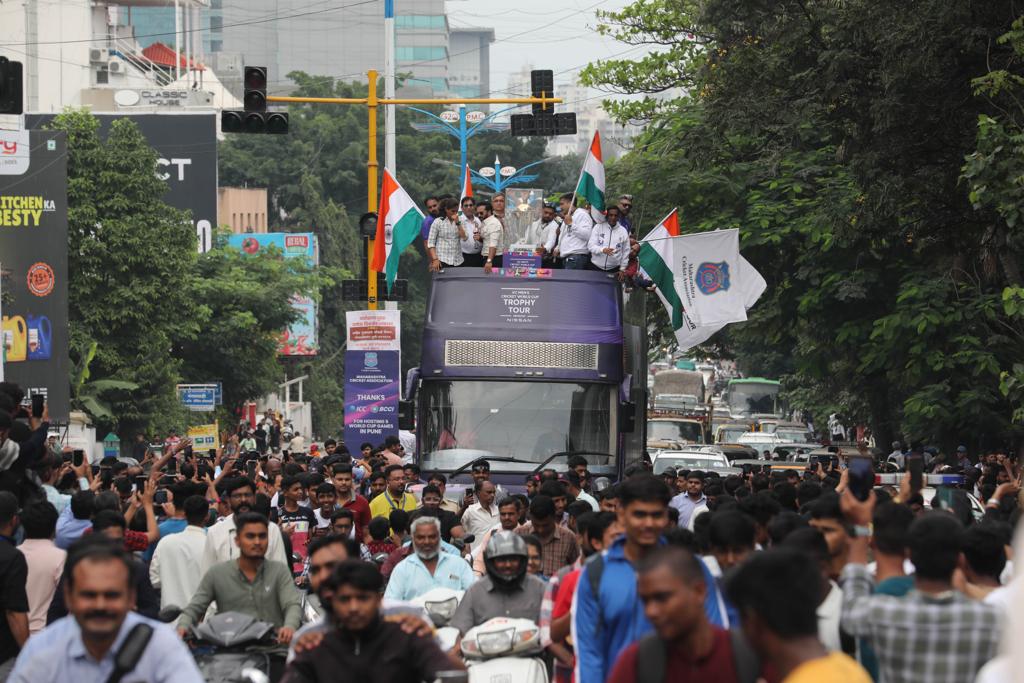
444 238
558 551
919 637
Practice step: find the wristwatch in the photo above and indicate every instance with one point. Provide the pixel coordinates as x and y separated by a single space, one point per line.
860 531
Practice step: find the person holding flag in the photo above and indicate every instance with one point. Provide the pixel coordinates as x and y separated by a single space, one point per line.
398 225
473 245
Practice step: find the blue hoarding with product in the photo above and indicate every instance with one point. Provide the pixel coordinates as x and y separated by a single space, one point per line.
371 396
300 339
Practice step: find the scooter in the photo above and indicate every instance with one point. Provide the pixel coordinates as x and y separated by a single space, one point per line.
440 604
503 650
236 648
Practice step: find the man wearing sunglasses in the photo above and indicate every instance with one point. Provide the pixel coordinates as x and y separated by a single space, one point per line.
625 206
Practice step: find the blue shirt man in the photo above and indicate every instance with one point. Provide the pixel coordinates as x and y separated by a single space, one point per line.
690 499
82 646
428 567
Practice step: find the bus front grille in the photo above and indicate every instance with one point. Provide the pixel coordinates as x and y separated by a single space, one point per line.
566 356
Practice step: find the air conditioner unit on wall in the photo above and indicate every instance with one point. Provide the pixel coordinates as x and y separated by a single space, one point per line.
98 54
115 66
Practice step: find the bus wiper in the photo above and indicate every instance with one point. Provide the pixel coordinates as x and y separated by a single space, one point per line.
561 453
490 458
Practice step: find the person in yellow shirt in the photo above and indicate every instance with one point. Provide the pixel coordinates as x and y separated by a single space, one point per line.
394 496
777 594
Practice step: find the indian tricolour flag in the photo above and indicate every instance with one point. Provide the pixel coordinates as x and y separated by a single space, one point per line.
691 274
656 259
467 186
398 224
591 183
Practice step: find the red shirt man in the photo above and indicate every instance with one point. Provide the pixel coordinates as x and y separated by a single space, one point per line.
350 500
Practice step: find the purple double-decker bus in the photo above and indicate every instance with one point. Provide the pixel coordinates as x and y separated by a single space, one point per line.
528 371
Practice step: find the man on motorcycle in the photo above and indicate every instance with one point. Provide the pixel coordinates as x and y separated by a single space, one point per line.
506 591
427 567
234 584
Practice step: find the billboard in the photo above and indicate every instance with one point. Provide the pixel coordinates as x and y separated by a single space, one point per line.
372 369
187 148
34 263
300 339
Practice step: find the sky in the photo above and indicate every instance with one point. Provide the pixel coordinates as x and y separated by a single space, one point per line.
531 32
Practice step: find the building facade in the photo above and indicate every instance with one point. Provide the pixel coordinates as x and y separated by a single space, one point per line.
469 66
242 209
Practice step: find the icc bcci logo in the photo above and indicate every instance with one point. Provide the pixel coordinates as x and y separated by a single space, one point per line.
712 277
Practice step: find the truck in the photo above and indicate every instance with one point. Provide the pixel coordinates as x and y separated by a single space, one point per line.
527 371
679 383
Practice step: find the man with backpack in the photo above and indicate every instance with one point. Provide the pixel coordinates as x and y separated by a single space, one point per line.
685 647
607 616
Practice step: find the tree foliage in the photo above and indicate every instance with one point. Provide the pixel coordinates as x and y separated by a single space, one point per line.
146 311
834 136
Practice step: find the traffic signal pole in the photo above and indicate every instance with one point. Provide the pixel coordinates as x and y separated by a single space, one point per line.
372 102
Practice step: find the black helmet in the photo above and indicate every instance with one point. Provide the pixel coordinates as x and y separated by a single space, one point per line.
505 544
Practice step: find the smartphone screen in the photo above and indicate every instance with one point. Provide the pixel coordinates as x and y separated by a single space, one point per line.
915 465
38 401
160 497
250 468
861 477
172 466
140 484
77 457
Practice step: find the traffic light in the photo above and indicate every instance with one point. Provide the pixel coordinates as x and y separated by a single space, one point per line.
542 84
255 119
255 97
10 87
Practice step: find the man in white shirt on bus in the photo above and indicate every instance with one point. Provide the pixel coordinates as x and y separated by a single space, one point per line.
609 244
573 244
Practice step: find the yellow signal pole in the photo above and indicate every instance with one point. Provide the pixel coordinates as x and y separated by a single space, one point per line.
372 102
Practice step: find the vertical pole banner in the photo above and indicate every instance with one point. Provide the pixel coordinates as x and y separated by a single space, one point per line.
372 376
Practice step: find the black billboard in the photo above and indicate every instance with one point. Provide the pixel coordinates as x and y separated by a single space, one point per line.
34 263
187 148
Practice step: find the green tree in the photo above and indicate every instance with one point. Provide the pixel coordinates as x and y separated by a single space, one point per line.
833 135
129 255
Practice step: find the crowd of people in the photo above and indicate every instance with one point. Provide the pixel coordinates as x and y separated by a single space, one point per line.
783 575
475 234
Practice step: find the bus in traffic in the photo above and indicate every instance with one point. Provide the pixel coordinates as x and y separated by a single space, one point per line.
754 396
526 371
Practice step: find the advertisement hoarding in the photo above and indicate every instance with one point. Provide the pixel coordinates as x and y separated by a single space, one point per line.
34 264
186 145
300 339
372 372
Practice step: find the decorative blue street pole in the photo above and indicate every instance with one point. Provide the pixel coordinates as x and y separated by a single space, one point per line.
458 125
498 180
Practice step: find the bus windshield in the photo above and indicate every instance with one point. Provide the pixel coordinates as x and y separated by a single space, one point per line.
753 398
525 421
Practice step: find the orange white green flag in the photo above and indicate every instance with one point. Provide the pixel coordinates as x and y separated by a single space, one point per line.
398 225
591 182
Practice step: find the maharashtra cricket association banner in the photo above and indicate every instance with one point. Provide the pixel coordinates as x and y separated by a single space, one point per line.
300 339
372 376
34 264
